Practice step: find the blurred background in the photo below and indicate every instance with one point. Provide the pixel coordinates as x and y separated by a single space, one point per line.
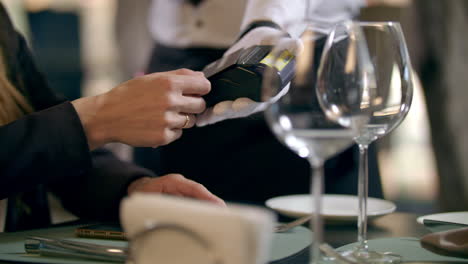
86 47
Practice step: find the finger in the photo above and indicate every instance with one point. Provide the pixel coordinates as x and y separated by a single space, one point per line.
185 71
193 84
174 134
178 72
241 103
193 189
222 108
184 121
170 135
179 120
191 104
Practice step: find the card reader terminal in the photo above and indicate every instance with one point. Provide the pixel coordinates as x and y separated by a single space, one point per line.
240 74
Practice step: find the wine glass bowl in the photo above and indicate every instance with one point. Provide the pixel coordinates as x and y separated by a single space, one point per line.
345 64
393 77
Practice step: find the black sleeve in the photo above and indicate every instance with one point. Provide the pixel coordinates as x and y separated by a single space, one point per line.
97 195
42 147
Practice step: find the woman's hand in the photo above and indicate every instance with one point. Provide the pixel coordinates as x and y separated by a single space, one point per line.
174 184
147 111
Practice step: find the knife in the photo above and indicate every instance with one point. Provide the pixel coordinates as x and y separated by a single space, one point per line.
66 248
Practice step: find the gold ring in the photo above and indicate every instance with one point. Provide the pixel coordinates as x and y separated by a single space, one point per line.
187 121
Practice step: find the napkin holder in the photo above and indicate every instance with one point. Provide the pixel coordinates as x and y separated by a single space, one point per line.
166 229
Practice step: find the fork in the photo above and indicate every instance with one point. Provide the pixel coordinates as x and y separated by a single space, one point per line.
287 226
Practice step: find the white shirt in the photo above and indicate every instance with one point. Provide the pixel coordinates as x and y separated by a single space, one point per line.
217 23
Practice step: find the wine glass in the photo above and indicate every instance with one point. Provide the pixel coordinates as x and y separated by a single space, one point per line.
392 97
295 113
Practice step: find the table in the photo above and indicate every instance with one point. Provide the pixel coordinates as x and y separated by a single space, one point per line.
392 225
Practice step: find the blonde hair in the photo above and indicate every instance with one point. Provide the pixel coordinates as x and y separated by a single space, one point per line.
13 105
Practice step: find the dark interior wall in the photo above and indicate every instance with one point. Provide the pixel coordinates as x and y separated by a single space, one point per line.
55 40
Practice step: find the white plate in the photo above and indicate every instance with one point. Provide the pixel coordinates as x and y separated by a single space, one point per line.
335 207
452 217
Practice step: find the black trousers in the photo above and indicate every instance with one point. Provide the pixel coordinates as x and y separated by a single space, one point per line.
240 159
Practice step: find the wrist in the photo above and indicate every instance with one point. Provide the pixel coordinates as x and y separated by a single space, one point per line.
257 24
87 109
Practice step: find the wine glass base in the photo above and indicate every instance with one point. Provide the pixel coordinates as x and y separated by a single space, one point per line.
372 257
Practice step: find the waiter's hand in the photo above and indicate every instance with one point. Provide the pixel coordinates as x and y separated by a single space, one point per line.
174 184
242 106
147 111
256 36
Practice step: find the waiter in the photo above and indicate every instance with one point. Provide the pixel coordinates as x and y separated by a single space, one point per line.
240 159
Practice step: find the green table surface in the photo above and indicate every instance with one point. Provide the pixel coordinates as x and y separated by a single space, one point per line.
396 232
285 245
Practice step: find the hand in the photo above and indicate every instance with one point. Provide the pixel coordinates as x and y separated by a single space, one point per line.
174 184
242 106
147 111
257 36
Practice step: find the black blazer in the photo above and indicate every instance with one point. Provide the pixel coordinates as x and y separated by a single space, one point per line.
48 148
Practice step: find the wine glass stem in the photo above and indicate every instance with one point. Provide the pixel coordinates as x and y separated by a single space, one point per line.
363 194
317 224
